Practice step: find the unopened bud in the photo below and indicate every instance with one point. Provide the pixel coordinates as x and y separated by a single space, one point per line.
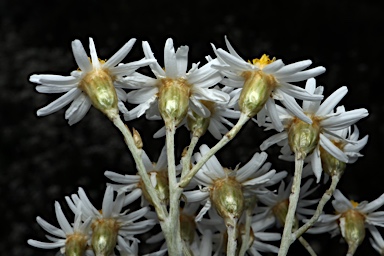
197 125
98 85
173 100
104 236
76 244
137 139
352 229
331 165
303 137
228 199
257 89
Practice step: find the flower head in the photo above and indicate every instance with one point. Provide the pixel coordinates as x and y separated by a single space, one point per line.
351 219
93 84
158 175
263 79
174 90
226 189
325 126
69 238
110 222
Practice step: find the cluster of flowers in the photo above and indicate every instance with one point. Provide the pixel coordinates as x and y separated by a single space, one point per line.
219 210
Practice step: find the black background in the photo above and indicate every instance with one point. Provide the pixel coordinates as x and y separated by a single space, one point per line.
44 159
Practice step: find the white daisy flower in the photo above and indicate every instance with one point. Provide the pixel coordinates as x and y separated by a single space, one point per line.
350 219
174 90
377 241
325 123
68 238
222 184
263 80
92 84
158 174
110 222
276 204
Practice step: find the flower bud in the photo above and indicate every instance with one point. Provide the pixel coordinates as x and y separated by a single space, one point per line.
352 228
187 227
76 244
197 125
331 165
104 236
227 197
161 187
98 85
257 89
173 100
137 139
303 137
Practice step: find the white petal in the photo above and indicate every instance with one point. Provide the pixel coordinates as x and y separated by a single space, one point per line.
142 95
332 149
60 102
293 68
273 67
252 166
303 75
120 54
94 58
330 103
290 103
156 68
344 119
63 222
170 61
273 140
182 60
81 56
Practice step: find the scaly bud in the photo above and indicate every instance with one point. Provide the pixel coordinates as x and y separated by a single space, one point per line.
104 236
76 244
352 229
227 197
173 100
98 85
137 139
303 137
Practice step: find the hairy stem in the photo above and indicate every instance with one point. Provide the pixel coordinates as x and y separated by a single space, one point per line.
136 153
324 199
187 158
287 237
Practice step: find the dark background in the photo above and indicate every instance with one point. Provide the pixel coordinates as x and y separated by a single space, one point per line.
44 159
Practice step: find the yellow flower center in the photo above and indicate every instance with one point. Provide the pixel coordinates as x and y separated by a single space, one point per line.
263 61
354 204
